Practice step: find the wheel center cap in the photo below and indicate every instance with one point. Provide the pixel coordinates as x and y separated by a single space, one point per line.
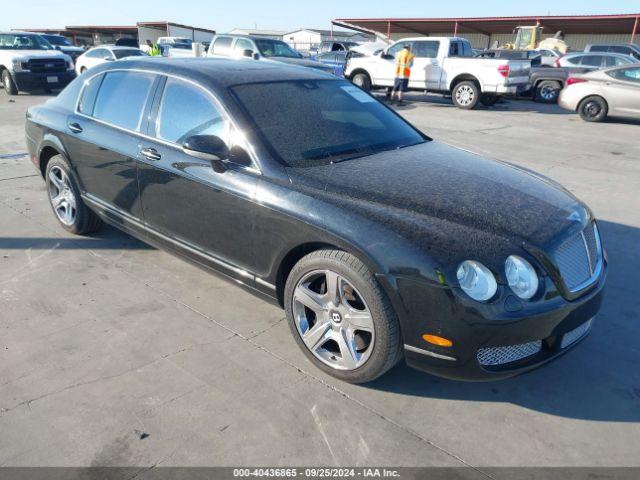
335 316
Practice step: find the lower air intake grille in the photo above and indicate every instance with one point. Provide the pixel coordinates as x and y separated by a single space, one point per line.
576 334
510 353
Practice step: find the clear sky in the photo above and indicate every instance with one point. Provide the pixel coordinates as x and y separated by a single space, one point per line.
284 15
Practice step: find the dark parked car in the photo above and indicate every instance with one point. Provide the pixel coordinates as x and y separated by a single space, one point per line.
64 45
336 60
379 242
624 48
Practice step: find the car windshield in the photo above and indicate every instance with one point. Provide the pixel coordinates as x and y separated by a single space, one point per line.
57 40
308 123
19 41
131 52
276 48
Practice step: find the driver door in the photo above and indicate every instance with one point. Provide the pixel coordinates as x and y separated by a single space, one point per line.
182 196
386 67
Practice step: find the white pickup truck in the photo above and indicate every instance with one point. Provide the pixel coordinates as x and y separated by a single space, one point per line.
29 63
443 65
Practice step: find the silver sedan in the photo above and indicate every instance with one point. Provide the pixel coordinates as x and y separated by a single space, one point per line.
596 95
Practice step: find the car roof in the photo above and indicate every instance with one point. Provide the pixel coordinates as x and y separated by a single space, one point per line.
608 54
18 32
115 47
221 72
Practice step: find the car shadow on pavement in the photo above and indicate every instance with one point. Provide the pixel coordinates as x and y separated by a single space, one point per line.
597 380
107 238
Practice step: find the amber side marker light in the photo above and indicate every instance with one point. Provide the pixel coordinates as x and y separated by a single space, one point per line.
436 340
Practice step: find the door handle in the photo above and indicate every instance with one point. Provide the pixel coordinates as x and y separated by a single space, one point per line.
150 154
75 127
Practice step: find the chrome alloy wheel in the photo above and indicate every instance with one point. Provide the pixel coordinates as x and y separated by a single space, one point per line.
465 95
549 93
332 319
61 196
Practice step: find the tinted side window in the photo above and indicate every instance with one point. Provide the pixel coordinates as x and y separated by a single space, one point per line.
467 51
574 60
620 49
89 94
591 60
598 48
187 110
454 49
627 74
122 98
222 46
426 49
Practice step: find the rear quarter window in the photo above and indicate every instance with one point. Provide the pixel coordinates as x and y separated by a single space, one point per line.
222 46
89 94
122 97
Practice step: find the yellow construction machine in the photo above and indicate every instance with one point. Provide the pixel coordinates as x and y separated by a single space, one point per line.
530 38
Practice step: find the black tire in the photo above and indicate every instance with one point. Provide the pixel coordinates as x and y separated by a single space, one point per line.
387 346
362 80
85 221
547 91
593 109
9 85
489 100
466 95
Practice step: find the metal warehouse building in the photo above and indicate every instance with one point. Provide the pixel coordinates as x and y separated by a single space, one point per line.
98 34
482 32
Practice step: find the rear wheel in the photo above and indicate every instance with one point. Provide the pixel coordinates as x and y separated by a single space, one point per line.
362 80
593 109
547 91
340 316
65 200
9 85
466 95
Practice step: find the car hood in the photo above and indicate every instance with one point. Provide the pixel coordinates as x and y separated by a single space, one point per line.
37 53
449 200
303 62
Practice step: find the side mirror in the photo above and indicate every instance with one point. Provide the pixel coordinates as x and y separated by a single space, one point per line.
208 147
247 53
387 56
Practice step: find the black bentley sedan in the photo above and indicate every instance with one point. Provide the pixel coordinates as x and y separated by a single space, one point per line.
379 242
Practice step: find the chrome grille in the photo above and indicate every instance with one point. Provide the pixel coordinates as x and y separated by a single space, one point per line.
578 258
576 334
507 354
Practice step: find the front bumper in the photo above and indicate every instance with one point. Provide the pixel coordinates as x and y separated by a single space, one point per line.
32 82
540 333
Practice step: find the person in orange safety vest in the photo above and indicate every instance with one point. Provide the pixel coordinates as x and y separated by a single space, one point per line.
404 62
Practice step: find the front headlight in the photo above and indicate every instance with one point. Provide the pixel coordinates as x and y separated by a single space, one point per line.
521 276
476 280
19 65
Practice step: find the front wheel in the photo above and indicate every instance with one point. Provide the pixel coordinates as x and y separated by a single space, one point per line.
362 80
340 316
593 109
466 95
64 197
9 85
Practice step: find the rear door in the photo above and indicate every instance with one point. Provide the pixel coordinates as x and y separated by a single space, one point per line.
102 137
182 196
426 69
623 91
